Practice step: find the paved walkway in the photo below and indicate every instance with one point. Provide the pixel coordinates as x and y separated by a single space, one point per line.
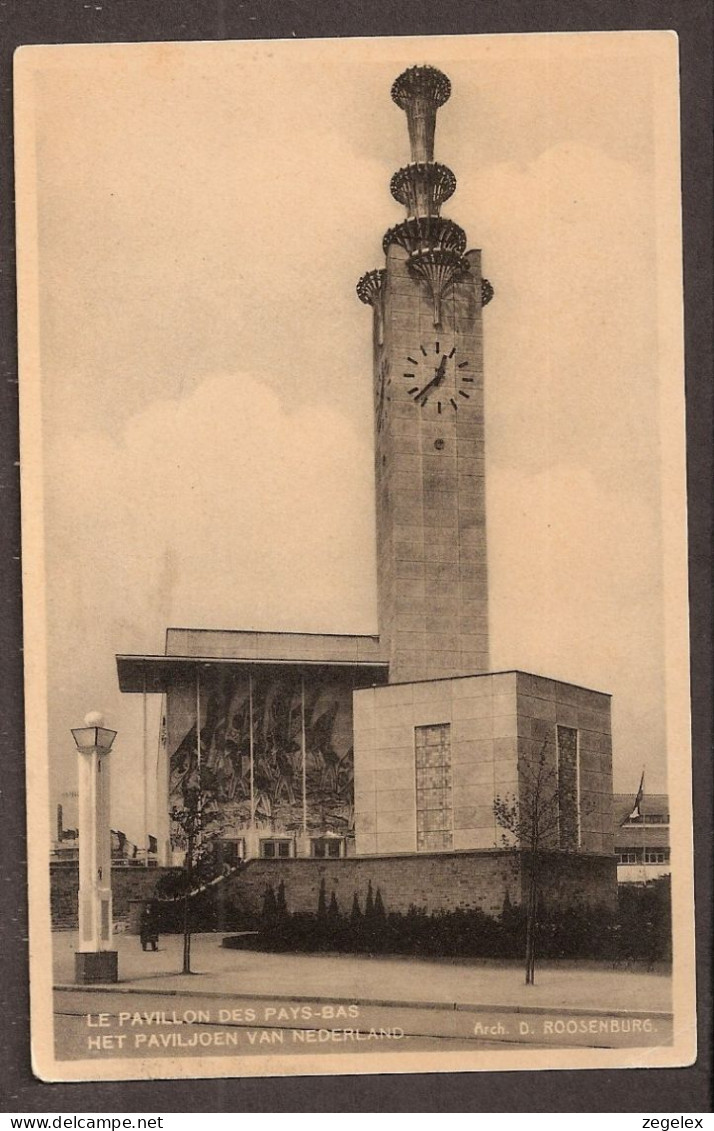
361 978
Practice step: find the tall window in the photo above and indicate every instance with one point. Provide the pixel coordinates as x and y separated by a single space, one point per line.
568 789
434 811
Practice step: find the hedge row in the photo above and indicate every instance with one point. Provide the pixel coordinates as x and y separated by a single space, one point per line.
639 931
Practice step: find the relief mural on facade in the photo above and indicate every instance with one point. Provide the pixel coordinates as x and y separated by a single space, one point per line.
279 749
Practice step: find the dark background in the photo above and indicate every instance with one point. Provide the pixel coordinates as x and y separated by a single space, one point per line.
632 1090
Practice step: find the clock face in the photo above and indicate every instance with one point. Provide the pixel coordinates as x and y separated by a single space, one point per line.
437 378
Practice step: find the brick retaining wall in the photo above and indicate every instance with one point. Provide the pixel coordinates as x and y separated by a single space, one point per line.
434 882
127 884
570 879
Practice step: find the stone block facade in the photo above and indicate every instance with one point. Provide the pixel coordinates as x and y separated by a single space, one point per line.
432 756
431 520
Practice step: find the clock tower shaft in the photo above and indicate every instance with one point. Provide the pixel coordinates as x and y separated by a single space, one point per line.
429 417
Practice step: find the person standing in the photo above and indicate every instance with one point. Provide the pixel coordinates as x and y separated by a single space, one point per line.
149 928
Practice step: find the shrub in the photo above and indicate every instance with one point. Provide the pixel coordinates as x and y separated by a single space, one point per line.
638 932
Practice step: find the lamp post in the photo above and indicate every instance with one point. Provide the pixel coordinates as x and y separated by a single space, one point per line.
95 961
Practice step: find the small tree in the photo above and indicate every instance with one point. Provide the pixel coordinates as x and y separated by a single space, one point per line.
369 903
269 912
322 903
198 827
379 912
333 910
281 905
530 823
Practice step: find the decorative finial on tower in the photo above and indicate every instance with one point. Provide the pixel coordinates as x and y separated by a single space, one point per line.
423 187
420 91
435 248
434 245
427 233
369 291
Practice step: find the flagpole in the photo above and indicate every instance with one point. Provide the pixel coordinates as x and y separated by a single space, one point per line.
252 753
644 834
161 792
199 800
635 815
304 756
644 854
145 745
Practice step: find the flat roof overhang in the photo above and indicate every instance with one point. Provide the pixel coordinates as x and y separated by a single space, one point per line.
156 674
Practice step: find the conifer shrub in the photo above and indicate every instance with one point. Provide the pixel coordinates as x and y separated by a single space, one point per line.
639 932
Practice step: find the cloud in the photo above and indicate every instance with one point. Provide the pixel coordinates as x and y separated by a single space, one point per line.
223 509
209 259
571 336
244 497
576 593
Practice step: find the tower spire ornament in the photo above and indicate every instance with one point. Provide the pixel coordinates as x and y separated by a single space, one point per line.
436 249
420 91
428 300
435 246
423 187
369 291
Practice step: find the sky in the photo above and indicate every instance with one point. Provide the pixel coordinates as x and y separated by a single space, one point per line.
203 365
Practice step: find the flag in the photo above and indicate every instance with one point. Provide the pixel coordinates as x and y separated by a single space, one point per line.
636 813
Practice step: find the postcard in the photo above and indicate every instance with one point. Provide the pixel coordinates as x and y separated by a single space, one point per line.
354 556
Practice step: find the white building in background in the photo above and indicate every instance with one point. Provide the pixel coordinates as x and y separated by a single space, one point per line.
642 843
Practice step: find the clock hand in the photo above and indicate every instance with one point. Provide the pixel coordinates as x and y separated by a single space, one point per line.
436 380
422 394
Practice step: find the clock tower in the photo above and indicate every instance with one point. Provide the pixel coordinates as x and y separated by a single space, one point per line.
429 416
390 749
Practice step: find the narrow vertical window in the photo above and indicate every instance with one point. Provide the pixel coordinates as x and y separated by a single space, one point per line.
568 789
434 811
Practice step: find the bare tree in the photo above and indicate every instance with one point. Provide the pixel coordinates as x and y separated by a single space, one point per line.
197 827
531 824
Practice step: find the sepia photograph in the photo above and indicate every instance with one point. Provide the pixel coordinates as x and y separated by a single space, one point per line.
352 432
